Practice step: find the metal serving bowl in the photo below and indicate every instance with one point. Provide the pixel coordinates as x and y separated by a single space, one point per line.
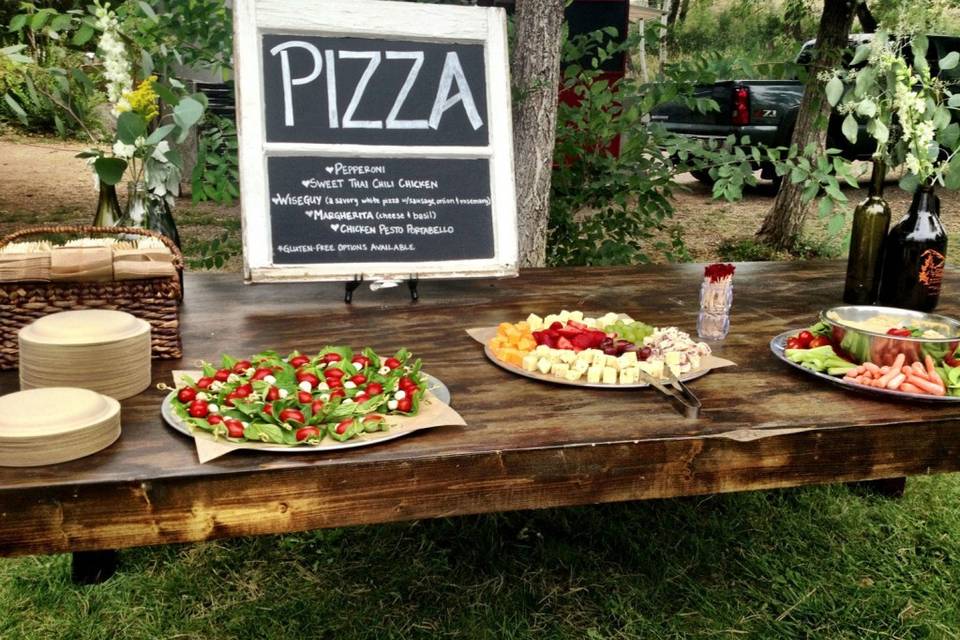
882 349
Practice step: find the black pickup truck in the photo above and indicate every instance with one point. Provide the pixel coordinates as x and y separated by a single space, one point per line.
766 110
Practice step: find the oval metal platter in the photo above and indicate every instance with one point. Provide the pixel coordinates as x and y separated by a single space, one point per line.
779 344
541 377
435 386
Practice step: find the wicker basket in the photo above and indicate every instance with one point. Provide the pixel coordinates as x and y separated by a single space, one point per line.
156 300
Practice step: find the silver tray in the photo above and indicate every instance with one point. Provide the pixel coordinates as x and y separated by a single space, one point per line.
435 386
779 344
542 377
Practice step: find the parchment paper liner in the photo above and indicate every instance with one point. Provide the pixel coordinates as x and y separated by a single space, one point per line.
433 413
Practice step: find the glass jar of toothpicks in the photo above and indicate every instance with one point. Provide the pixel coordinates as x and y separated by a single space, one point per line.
716 298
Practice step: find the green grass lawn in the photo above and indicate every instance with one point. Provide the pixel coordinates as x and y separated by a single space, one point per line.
825 562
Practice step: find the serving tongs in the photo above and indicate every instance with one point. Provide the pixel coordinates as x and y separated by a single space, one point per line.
679 394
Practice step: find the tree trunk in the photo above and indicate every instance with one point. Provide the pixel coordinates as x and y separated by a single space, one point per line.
535 67
784 222
684 7
867 20
673 12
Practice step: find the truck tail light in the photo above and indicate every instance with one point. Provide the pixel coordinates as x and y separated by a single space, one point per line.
741 106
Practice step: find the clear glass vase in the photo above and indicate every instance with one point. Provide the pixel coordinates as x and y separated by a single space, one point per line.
150 211
716 299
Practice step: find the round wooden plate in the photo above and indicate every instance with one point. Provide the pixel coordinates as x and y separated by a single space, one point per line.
435 386
779 344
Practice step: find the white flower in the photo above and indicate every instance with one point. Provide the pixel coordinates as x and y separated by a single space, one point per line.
122 150
116 66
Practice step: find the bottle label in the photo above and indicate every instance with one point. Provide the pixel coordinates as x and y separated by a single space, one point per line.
931 270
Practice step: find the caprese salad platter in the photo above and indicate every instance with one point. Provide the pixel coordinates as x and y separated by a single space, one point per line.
603 351
888 352
334 399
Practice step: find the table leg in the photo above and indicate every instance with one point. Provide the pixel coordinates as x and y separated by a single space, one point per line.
93 567
886 487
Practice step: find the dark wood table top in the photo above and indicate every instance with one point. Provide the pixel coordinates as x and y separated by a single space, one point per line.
527 444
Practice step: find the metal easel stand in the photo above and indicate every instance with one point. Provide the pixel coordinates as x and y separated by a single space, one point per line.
412 283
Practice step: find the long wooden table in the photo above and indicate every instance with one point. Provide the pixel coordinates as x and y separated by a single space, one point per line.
527 444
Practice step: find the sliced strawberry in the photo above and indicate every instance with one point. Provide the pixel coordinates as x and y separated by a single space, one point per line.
550 339
582 341
576 325
556 326
540 337
570 332
563 343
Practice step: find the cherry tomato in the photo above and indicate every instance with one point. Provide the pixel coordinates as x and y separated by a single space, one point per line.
794 343
374 388
222 375
241 366
334 383
358 379
332 357
240 392
373 417
204 383
343 426
361 397
363 361
334 373
298 361
405 405
407 384
198 409
316 407
292 414
230 398
186 395
819 341
268 409
234 428
805 337
304 397
261 373
337 393
391 363
273 394
307 432
309 377
214 419
902 333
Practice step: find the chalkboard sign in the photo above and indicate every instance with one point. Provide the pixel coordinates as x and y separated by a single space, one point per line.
375 140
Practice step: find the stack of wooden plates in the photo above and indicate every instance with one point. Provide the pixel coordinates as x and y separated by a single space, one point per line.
104 351
47 426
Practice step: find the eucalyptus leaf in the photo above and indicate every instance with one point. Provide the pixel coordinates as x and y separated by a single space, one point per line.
834 90
867 108
954 100
862 53
130 126
949 61
110 170
850 128
909 183
159 134
835 225
951 174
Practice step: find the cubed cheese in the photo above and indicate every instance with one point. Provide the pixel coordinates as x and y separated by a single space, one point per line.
550 319
581 365
599 358
544 365
609 375
653 367
594 375
628 359
529 362
627 376
535 322
559 369
590 322
695 361
567 356
601 323
672 358
573 375
542 350
611 362
611 317
564 316
576 316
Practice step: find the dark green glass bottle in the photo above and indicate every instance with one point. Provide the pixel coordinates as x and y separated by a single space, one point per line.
870 223
915 256
109 213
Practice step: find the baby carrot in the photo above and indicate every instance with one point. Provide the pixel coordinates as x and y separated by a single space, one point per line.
929 387
932 371
872 368
896 381
906 387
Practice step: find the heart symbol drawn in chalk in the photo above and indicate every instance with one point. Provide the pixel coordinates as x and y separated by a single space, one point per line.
306 183
329 169
277 199
335 227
